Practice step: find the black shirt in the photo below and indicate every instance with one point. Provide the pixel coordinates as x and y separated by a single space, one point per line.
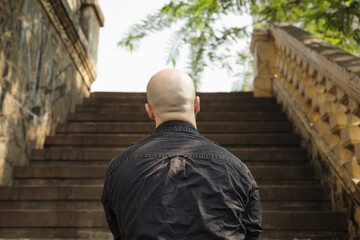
176 184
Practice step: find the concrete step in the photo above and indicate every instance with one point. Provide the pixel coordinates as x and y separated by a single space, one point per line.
201 117
203 127
304 235
119 140
53 218
60 182
289 173
116 95
92 193
272 220
138 107
204 97
55 233
304 221
294 205
211 95
78 172
51 204
54 193
104 234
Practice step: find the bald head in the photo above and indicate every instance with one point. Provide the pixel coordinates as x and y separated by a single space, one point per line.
171 96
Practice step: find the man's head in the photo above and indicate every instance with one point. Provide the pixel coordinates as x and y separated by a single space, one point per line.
171 96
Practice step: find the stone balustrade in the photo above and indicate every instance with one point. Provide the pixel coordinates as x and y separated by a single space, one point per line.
318 86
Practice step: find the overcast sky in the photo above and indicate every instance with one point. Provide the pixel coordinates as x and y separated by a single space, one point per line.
119 70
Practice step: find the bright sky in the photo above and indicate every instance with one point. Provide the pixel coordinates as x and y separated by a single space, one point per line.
122 71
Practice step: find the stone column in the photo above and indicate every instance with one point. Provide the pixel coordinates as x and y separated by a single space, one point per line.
263 50
91 20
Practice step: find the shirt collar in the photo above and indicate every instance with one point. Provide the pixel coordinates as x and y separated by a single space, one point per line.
176 126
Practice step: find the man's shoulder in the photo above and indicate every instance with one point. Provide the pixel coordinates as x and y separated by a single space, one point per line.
127 153
221 154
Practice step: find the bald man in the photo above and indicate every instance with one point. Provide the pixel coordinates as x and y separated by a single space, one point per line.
176 184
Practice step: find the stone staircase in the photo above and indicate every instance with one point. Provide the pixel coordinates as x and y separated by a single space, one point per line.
58 195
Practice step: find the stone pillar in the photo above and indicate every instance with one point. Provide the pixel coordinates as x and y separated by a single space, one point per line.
263 50
91 20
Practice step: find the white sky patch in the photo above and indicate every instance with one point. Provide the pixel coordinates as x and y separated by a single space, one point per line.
121 71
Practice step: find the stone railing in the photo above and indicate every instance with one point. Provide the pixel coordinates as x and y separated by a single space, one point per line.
47 64
318 86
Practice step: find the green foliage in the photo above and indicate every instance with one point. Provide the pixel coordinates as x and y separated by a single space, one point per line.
336 21
246 73
211 43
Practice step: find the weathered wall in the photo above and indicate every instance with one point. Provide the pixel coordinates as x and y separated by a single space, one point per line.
39 80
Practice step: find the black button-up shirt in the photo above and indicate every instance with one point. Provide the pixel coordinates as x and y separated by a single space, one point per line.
176 184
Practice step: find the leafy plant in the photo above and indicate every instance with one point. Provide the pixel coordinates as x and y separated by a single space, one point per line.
211 43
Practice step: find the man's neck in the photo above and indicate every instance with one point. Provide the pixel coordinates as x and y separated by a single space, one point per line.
158 121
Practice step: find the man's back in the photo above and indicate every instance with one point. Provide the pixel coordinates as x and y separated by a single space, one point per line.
175 184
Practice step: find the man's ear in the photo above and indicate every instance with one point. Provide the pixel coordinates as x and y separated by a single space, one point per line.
150 111
197 105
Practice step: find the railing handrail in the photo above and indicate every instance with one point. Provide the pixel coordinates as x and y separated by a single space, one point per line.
317 52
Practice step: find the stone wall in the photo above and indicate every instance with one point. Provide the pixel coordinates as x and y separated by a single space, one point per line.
318 86
46 68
